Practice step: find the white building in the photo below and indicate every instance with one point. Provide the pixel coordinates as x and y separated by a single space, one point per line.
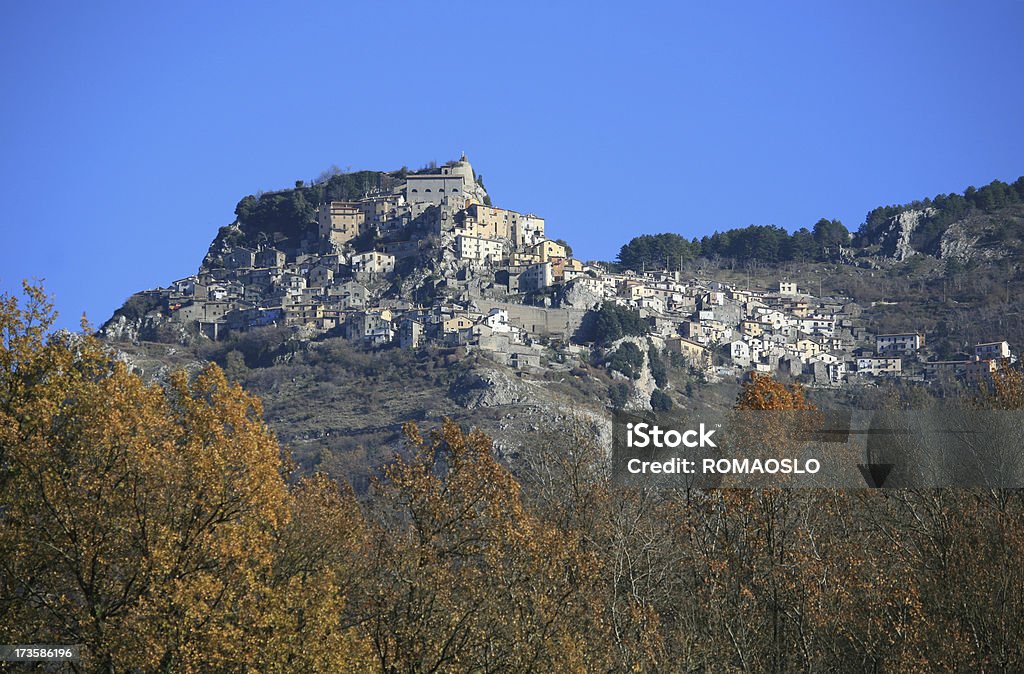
528 231
879 366
905 343
373 262
479 248
992 350
739 351
818 325
497 320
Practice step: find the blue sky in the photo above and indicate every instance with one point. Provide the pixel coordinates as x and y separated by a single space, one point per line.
129 131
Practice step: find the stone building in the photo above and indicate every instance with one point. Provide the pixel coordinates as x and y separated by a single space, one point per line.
340 221
455 181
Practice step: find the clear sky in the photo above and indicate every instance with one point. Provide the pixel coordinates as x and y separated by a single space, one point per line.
129 131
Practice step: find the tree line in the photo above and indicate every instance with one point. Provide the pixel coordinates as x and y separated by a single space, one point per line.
767 244
771 244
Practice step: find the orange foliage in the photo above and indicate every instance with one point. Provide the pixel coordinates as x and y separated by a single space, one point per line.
763 392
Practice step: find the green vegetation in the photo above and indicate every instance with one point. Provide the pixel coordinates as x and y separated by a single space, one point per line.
612 322
656 251
828 233
618 394
657 365
660 401
138 305
766 244
627 359
770 244
948 209
290 213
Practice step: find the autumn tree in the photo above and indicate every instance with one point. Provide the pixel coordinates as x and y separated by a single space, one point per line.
566 481
764 392
1006 390
149 523
466 578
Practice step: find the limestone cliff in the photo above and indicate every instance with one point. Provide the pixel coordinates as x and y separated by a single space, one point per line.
895 239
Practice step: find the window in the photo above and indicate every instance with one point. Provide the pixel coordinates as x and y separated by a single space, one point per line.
427 190
415 190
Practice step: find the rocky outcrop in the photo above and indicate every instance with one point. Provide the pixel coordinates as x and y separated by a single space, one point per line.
221 245
643 386
895 237
578 295
957 244
121 329
488 388
150 328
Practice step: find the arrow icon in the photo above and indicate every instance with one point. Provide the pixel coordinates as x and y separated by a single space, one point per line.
875 473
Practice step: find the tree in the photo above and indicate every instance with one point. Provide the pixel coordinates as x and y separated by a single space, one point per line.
612 322
618 395
660 401
801 246
245 208
142 521
828 233
763 392
466 577
1006 392
657 365
756 243
655 251
627 359
752 428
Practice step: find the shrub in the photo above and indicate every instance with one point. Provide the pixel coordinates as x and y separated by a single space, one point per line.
660 401
612 322
627 359
658 369
618 394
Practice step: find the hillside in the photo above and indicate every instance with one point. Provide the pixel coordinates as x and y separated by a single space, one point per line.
366 300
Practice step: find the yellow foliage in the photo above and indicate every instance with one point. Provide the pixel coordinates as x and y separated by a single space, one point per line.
469 580
146 522
763 392
1006 391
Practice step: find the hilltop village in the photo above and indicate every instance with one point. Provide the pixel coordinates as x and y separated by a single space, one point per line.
429 260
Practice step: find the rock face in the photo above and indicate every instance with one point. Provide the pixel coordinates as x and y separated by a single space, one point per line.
580 296
120 329
957 244
489 388
643 386
151 327
895 238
